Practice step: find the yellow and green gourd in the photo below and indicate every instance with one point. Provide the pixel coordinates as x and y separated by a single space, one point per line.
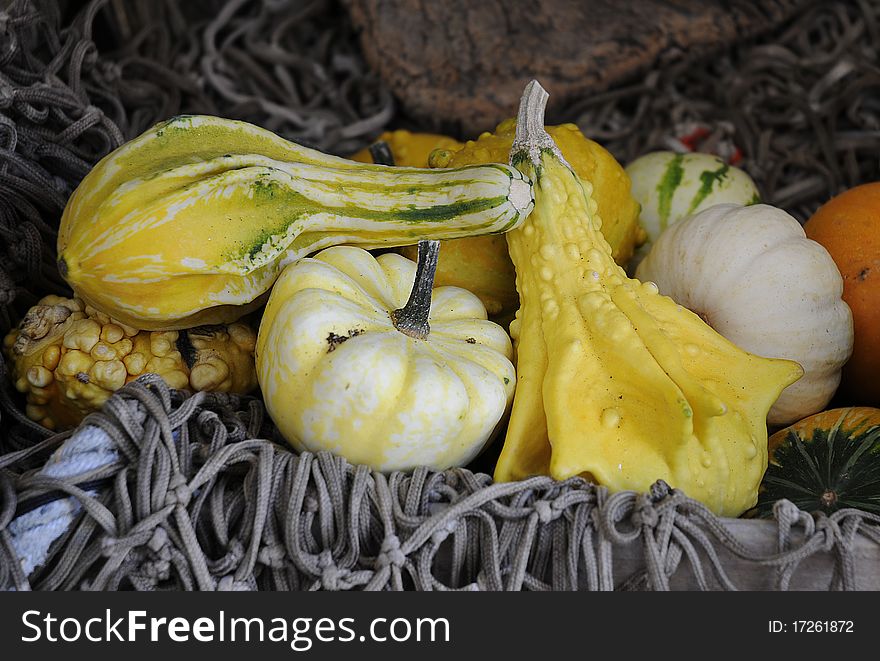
614 381
356 355
192 222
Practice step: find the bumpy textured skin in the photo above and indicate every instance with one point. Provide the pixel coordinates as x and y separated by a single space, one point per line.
482 264
192 222
69 358
411 149
616 382
752 274
337 375
670 186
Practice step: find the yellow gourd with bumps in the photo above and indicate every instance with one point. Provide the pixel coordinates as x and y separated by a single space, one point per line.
68 358
482 263
614 381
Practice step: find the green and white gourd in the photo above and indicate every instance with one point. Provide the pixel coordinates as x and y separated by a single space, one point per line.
193 221
671 186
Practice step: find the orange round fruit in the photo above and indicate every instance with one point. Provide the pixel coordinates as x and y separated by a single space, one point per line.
409 149
848 226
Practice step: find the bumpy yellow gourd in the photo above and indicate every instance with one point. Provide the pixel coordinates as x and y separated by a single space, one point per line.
192 222
591 162
614 381
347 364
482 263
68 358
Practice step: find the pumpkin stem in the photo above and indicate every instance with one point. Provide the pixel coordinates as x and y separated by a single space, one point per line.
531 138
829 499
412 318
381 153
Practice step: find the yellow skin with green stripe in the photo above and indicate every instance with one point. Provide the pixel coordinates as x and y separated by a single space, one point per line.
614 381
192 222
336 374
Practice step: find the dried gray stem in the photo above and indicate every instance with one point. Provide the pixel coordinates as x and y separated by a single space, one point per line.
412 318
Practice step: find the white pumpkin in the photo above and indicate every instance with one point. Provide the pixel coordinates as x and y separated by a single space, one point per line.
752 274
341 368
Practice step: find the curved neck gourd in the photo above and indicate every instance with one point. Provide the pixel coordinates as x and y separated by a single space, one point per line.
615 382
192 222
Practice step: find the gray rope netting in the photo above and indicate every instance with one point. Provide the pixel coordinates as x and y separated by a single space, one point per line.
199 500
202 496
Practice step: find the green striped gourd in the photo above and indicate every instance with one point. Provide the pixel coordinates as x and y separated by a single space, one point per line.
671 186
192 222
825 462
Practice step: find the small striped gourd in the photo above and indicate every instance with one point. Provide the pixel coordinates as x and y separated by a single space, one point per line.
192 222
671 186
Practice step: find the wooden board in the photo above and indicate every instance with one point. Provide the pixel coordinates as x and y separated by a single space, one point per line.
460 66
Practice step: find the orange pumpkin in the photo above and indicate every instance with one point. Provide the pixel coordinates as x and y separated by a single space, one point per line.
409 149
849 228
852 417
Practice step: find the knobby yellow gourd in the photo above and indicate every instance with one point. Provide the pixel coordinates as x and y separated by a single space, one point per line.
68 358
482 264
192 222
614 381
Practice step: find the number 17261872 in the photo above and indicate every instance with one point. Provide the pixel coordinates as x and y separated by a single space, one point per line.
811 626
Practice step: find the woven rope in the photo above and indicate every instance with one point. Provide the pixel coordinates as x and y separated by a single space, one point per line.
199 500
199 495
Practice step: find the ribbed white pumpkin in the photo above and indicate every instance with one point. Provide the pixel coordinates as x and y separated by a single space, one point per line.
757 280
338 375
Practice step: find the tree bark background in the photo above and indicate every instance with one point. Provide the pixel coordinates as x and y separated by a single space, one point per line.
459 66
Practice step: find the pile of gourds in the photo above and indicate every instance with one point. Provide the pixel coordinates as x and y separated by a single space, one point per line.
224 257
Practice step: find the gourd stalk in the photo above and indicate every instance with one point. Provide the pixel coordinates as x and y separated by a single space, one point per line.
412 318
531 136
381 153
